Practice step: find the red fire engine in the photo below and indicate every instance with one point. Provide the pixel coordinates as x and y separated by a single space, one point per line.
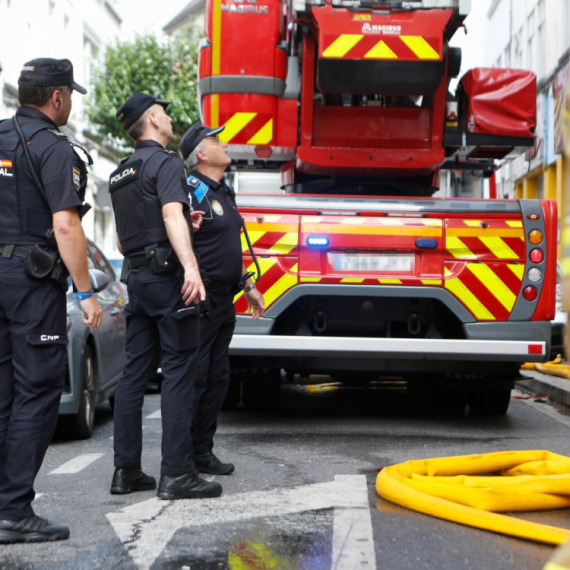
365 273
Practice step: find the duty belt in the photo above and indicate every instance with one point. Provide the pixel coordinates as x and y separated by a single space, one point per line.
136 261
215 287
13 250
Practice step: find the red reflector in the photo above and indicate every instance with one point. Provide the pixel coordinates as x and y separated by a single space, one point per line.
533 216
529 293
536 256
535 349
263 151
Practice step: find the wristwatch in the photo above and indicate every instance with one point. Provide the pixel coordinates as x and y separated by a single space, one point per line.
248 288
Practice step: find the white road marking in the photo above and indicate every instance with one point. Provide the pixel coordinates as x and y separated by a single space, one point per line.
77 464
145 528
154 415
353 544
38 495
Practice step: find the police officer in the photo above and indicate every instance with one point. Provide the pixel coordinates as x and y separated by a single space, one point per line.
152 212
42 186
218 245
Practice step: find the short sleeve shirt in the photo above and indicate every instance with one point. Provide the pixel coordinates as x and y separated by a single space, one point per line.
218 241
164 176
55 161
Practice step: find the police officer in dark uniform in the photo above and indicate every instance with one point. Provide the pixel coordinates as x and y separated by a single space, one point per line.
154 227
42 186
218 244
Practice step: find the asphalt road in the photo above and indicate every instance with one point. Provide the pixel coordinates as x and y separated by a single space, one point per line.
302 496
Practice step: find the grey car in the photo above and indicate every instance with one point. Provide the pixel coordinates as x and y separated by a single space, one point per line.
95 356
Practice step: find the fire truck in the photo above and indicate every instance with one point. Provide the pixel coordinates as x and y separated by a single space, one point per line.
365 274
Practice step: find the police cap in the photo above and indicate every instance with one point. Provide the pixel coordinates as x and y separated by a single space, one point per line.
135 106
46 72
194 136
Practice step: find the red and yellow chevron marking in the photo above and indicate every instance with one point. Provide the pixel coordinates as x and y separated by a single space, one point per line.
275 235
5 163
369 46
275 282
488 290
413 282
501 240
247 128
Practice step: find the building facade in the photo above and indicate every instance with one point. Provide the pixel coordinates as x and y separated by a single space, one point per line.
78 30
534 35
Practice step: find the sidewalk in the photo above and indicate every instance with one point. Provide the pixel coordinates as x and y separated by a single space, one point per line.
555 388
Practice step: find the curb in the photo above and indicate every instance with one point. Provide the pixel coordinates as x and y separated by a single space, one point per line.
555 388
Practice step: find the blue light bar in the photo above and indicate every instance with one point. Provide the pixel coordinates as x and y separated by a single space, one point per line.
426 243
318 241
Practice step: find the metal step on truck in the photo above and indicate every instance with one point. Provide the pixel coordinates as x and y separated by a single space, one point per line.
365 274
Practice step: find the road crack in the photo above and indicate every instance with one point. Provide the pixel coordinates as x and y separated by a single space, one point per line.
137 528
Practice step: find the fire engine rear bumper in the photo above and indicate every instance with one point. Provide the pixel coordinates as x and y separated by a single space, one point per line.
382 348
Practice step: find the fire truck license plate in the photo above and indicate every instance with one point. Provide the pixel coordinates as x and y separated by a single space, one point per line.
371 262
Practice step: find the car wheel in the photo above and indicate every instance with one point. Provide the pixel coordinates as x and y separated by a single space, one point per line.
486 402
84 421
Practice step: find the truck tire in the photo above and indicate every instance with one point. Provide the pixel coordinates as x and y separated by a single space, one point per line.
82 423
488 402
263 396
233 397
448 402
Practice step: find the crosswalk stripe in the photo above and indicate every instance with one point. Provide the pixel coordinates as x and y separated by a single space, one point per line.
154 415
77 464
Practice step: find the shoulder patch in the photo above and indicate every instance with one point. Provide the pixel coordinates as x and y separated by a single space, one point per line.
76 179
192 181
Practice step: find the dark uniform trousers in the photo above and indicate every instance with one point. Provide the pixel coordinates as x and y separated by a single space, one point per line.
157 319
213 376
33 353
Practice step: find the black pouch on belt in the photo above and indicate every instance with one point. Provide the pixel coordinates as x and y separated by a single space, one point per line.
161 259
39 262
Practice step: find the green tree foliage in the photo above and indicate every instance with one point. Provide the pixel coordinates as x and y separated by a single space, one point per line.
165 67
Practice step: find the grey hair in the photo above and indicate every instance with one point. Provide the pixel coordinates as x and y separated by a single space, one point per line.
193 160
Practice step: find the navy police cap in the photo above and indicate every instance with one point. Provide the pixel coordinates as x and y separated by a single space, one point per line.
195 135
135 106
48 72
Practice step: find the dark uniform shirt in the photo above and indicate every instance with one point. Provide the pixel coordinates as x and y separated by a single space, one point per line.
55 162
218 241
164 176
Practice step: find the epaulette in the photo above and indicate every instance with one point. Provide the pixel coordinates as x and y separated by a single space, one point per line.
57 133
192 181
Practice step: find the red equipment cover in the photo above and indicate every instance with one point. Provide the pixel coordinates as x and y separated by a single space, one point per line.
499 102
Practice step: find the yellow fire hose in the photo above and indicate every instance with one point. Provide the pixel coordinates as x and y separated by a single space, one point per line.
445 488
555 368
